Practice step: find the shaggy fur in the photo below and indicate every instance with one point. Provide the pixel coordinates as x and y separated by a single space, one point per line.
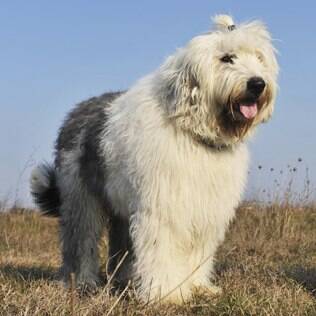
162 165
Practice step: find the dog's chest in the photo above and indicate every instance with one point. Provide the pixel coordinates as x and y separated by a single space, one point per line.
199 188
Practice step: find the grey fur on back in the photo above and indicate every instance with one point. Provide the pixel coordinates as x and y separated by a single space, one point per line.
81 132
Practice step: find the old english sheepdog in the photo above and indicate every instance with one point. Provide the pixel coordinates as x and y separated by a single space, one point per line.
163 165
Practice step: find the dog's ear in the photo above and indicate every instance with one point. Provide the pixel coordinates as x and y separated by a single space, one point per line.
182 89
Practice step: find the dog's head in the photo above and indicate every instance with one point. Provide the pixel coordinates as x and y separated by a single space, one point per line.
223 83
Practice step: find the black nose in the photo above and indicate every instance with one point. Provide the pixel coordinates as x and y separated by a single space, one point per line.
256 85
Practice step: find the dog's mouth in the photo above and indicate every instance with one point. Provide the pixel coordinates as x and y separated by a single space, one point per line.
243 110
247 109
239 114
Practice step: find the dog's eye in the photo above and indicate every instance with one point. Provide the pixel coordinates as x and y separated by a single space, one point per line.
228 58
260 57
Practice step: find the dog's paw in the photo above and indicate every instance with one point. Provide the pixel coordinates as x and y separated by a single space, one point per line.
86 289
210 290
83 287
214 290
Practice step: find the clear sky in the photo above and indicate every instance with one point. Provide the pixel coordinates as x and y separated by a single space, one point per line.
54 54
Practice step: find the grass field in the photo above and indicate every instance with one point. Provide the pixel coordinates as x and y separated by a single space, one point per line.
267 266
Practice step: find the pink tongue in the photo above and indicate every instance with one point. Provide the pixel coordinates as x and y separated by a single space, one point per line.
249 111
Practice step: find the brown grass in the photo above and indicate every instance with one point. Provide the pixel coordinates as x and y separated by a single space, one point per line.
267 266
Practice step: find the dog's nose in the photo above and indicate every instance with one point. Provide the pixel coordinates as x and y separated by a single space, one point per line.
256 85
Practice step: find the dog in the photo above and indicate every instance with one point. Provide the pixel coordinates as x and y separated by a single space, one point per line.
162 166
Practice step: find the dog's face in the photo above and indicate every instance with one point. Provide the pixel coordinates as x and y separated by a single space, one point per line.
223 83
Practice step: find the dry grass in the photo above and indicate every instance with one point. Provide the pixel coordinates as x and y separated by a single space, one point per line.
267 266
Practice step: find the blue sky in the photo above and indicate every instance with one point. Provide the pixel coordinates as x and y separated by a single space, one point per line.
57 53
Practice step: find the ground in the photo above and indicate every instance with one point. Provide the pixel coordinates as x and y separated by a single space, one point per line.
267 266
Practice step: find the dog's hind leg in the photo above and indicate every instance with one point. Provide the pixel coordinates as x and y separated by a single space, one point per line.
81 228
120 252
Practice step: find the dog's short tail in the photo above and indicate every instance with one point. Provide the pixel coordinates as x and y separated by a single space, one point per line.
44 189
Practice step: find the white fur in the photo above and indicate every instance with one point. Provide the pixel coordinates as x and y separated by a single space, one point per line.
178 194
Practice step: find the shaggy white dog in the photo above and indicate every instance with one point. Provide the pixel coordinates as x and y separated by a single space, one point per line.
163 164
